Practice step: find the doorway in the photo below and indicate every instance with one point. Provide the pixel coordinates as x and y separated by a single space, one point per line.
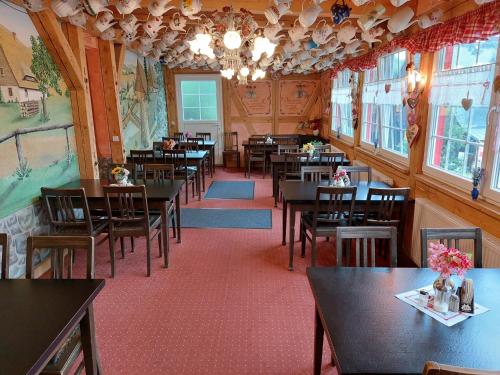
199 107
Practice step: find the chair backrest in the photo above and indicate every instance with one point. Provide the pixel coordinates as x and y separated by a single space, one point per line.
315 173
177 158
354 173
126 205
256 145
4 243
205 136
68 209
365 234
323 148
286 148
380 206
451 237
56 246
231 141
285 140
194 143
179 135
340 205
131 167
260 136
332 159
158 172
294 161
140 157
434 368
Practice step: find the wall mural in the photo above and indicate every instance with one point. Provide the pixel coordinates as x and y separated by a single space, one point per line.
295 95
36 127
143 102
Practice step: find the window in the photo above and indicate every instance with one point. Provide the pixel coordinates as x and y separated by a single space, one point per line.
26 93
460 110
384 119
199 100
1 72
10 91
342 103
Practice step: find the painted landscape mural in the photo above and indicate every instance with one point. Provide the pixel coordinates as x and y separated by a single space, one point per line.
143 102
37 144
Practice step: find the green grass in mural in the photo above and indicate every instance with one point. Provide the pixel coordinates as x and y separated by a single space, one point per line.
16 194
58 107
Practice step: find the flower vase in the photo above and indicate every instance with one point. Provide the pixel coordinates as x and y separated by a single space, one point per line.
316 132
121 180
443 289
474 193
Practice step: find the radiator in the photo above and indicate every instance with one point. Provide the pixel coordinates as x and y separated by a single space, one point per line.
430 215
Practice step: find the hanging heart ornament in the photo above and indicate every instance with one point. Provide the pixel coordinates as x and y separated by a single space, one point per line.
412 102
496 83
466 103
387 88
412 134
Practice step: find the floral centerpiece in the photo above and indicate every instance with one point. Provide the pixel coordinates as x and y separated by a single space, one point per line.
121 175
340 178
188 135
448 262
309 147
169 144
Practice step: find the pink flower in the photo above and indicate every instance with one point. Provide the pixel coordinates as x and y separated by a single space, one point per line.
448 261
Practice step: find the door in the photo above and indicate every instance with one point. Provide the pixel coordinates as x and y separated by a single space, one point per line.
199 107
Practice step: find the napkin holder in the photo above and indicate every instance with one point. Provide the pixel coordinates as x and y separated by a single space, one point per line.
466 295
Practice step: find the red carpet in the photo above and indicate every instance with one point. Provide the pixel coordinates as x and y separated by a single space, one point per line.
226 305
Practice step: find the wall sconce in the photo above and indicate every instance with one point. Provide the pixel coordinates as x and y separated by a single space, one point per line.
415 80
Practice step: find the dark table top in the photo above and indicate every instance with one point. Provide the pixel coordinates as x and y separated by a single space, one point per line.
275 158
373 332
190 155
305 191
35 316
166 190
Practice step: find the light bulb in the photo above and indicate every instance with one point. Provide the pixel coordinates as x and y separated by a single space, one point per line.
232 39
203 40
244 71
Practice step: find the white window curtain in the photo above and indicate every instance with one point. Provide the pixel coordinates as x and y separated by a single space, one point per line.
448 88
341 95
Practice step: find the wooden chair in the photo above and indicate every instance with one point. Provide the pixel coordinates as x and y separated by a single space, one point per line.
177 139
205 136
256 153
140 157
323 148
379 209
66 356
315 173
286 148
178 135
129 219
131 167
231 148
434 368
4 243
292 168
354 173
192 144
366 233
197 143
451 237
330 159
161 173
323 222
285 140
179 159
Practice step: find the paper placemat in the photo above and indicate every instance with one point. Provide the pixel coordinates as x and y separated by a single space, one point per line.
449 319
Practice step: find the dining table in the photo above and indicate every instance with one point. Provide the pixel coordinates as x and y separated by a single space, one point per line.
159 195
278 165
301 196
370 331
209 145
37 317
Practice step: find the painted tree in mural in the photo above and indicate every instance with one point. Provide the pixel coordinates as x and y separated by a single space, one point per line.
45 71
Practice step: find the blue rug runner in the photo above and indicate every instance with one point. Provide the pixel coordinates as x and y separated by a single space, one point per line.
230 190
226 218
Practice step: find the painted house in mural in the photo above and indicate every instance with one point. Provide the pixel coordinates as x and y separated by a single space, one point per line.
17 82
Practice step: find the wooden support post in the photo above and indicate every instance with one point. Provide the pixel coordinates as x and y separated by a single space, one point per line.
65 44
275 100
111 98
119 57
169 78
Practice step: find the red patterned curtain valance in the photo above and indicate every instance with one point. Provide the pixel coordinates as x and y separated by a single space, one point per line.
470 27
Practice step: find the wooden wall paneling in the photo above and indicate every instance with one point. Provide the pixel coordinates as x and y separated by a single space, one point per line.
274 105
119 58
67 46
226 105
241 110
111 98
169 79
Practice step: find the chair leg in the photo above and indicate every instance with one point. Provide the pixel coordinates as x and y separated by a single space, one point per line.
112 253
173 224
249 167
193 185
148 254
303 239
264 169
160 249
132 244
187 191
122 246
313 251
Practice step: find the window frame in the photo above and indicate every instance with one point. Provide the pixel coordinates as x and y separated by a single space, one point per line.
464 184
392 155
337 132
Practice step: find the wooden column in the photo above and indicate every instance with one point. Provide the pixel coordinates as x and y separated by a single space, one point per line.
169 78
66 46
111 98
275 100
119 57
